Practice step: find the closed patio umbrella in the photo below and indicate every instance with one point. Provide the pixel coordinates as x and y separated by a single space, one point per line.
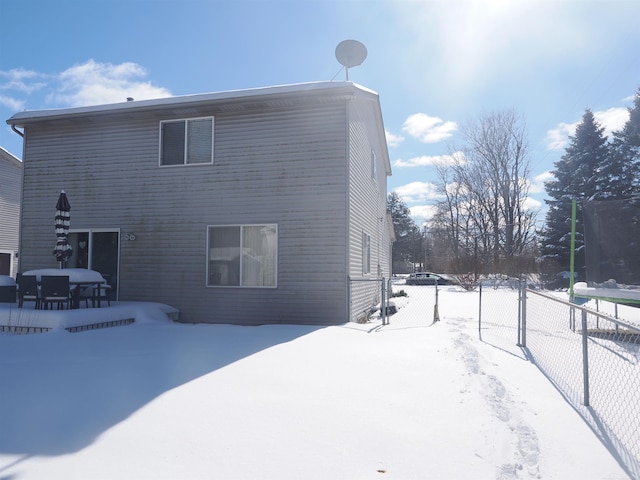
63 250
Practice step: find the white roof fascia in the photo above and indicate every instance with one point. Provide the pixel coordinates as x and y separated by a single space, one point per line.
25 117
10 157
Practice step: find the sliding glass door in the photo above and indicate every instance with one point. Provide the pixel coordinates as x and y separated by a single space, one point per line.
97 250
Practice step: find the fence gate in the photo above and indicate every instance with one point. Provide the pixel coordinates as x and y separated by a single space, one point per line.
499 311
387 299
366 297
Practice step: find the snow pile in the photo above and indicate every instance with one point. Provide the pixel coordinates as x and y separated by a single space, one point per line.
609 289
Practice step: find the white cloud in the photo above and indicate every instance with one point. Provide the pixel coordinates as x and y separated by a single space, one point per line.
422 213
417 192
557 138
12 103
611 120
21 80
429 161
537 183
532 204
89 83
428 129
393 140
543 177
93 83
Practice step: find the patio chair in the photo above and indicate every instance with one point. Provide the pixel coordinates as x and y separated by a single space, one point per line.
55 289
97 293
28 290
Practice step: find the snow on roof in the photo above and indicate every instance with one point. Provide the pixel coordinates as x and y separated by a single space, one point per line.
25 117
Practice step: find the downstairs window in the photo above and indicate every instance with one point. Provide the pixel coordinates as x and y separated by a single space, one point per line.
242 255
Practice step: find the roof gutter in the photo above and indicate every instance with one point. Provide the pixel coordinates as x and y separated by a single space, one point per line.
15 129
246 96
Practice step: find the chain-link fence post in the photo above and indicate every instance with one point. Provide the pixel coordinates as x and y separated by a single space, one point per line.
349 299
520 306
572 319
522 315
585 358
480 311
383 302
436 312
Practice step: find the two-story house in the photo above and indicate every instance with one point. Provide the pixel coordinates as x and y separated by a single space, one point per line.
256 206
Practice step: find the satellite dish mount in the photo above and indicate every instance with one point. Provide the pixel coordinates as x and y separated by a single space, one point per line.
350 53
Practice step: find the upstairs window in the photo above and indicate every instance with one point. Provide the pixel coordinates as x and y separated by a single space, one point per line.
186 142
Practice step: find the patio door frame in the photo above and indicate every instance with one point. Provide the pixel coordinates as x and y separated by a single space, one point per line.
90 232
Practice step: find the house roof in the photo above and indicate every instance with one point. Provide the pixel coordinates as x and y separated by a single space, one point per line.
21 119
233 100
9 157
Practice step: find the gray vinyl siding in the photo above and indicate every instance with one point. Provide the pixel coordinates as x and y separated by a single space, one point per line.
282 166
10 187
367 207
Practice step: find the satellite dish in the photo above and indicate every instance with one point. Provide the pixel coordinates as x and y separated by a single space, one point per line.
350 53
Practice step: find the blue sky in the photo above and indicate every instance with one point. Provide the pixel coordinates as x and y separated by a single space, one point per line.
436 64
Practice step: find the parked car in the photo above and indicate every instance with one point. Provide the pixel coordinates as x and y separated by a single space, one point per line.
426 278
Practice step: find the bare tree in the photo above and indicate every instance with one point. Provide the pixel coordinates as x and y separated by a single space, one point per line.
490 180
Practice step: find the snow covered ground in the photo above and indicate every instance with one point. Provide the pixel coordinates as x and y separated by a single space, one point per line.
409 400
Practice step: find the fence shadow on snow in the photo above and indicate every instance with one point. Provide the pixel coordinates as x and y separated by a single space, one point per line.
592 357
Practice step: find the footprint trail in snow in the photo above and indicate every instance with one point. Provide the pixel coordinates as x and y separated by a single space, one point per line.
519 440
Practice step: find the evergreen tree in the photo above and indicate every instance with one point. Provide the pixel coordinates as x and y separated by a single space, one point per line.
625 152
578 175
406 248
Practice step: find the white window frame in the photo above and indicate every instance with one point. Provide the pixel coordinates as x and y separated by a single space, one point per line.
240 273
185 154
366 254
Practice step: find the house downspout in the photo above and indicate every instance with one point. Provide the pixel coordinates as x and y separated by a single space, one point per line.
13 127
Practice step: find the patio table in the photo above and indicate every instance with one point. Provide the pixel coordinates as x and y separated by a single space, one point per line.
78 278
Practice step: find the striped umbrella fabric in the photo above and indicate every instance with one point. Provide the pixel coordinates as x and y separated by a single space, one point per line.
63 215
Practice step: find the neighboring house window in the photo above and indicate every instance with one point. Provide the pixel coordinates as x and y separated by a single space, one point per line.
6 259
374 165
186 142
366 253
242 255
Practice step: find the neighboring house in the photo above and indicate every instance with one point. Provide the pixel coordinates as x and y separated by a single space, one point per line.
10 183
255 206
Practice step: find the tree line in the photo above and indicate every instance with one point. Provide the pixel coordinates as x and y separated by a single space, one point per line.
482 224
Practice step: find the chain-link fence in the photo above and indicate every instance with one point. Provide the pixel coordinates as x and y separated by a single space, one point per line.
417 305
381 298
366 296
499 312
592 358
